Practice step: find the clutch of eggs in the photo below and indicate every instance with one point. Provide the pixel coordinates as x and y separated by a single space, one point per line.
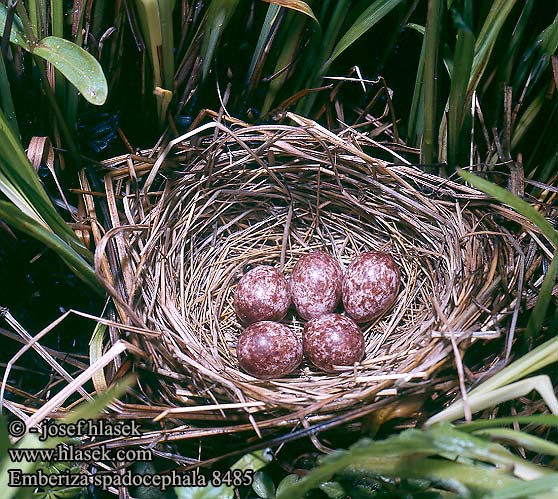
267 349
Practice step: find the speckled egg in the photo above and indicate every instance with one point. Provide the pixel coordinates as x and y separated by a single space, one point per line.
370 285
315 285
262 294
332 340
268 349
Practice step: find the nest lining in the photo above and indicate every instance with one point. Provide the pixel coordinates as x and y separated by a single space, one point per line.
269 195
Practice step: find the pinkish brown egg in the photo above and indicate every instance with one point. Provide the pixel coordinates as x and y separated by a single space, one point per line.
315 285
332 340
268 350
370 285
262 294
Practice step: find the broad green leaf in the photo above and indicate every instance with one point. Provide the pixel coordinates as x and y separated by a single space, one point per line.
506 197
263 485
207 492
372 15
297 5
80 68
17 35
254 461
287 482
333 490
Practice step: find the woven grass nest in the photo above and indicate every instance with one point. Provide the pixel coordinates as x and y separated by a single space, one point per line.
224 199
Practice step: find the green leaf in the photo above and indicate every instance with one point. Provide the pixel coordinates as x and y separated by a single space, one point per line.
543 419
17 35
538 314
333 490
520 439
288 481
430 79
80 68
506 197
207 492
546 487
258 55
457 109
219 14
499 11
254 461
297 5
17 219
20 183
372 15
406 456
263 485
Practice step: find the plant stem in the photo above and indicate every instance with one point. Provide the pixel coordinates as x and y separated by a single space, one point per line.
64 130
432 41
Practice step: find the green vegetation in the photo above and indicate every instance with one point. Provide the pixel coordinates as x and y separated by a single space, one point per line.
477 88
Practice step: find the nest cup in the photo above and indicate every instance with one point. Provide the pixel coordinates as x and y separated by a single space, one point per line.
270 195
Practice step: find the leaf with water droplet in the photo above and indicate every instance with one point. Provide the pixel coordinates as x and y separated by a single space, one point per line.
79 67
16 34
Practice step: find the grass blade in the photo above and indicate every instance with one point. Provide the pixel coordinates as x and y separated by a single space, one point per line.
407 455
537 58
297 5
6 98
166 8
506 197
18 220
293 33
372 15
545 487
486 40
432 44
520 439
542 419
461 73
258 56
17 35
538 314
416 115
219 14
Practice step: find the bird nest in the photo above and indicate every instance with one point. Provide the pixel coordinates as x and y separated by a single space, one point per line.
189 224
